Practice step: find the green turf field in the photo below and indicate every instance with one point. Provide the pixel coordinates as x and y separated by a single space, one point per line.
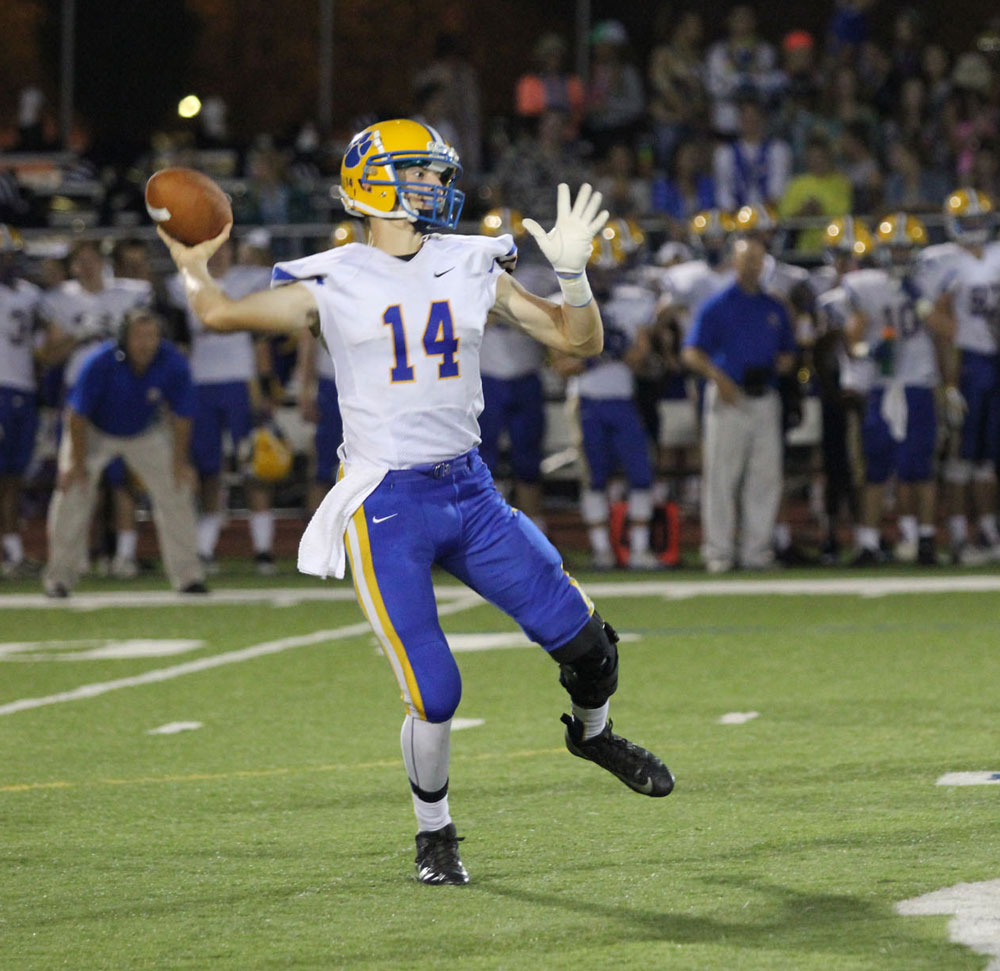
279 834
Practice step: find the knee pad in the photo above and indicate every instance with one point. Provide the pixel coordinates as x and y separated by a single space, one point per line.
984 472
588 664
594 507
958 471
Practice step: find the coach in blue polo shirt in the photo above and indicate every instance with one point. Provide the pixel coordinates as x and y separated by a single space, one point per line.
740 342
133 398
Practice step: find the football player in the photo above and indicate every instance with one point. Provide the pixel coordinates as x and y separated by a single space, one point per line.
403 319
890 322
963 279
19 301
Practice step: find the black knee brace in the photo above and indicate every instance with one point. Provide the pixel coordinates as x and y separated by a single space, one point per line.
588 664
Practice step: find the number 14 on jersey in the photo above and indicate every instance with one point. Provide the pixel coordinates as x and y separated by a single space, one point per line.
439 340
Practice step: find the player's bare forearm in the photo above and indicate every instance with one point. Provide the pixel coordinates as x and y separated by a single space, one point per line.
572 330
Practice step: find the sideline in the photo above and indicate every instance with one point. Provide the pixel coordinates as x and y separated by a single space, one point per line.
860 586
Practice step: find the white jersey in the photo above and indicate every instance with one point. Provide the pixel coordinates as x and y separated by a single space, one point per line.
833 308
823 278
779 279
91 317
888 303
220 358
507 352
974 285
18 307
626 312
688 285
405 337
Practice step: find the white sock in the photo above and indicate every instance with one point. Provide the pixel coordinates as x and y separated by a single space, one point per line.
426 751
927 530
12 547
262 531
209 527
431 815
600 541
594 719
639 538
661 492
867 537
988 527
125 544
782 536
908 528
958 530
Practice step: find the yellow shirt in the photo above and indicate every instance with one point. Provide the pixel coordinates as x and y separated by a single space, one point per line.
832 192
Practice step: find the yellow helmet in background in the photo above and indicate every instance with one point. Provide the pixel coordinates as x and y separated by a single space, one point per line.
968 216
371 181
502 220
617 244
271 458
11 240
849 235
711 222
348 231
902 230
759 217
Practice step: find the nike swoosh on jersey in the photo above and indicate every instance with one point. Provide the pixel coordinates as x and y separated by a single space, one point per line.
376 519
443 272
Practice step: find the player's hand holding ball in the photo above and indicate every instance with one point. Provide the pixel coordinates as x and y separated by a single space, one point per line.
192 214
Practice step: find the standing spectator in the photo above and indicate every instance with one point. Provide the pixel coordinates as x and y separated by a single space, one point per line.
862 168
550 87
687 188
848 28
739 63
615 96
119 406
969 117
676 76
754 167
935 67
820 191
624 190
740 342
911 184
19 301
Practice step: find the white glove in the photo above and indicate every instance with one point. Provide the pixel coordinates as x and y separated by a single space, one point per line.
567 245
955 407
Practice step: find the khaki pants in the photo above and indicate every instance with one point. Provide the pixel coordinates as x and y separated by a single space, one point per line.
150 456
742 479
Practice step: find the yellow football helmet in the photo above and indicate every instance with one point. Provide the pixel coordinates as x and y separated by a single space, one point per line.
271 458
11 240
759 217
502 220
616 245
901 230
370 174
711 223
348 231
849 236
968 216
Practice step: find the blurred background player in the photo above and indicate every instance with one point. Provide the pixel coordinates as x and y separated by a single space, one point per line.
613 432
843 381
227 396
318 390
19 337
513 397
889 323
740 343
81 313
963 280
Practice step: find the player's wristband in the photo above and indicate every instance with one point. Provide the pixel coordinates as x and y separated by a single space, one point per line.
575 288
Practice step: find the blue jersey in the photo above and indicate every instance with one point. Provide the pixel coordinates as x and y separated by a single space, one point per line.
742 331
120 402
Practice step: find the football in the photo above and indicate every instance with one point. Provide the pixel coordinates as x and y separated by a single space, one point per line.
187 204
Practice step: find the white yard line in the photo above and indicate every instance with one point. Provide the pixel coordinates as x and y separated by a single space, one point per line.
218 660
974 909
860 586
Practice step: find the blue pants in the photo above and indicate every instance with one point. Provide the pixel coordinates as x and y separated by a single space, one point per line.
329 431
519 406
613 435
980 386
224 406
912 459
18 424
451 515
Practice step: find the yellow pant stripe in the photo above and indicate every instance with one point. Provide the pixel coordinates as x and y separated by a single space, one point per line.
370 599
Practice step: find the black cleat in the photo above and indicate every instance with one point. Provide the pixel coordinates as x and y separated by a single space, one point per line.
637 768
866 557
927 551
196 588
437 860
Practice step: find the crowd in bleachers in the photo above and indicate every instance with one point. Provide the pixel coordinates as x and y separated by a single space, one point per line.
709 141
